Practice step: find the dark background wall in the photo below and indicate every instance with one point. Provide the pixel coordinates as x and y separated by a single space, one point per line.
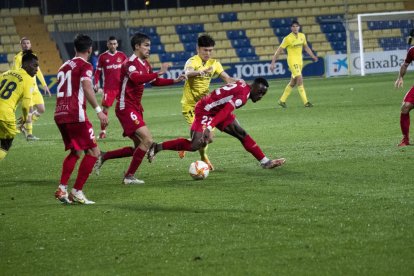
81 6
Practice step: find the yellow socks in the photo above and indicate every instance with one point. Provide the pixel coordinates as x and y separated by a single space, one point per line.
302 94
29 128
3 154
286 93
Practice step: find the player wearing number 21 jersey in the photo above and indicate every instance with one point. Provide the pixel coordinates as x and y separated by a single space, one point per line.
73 90
216 110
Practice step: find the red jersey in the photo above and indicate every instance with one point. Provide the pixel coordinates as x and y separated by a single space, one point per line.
135 72
410 55
71 101
236 94
110 67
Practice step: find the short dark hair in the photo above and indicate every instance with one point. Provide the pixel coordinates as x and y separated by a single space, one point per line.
111 38
261 81
82 43
294 22
138 38
28 56
205 41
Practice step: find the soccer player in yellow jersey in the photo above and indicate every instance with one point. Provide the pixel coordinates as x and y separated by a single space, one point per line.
37 107
294 43
15 86
199 70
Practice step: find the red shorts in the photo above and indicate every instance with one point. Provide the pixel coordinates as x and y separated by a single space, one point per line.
78 136
109 97
202 121
130 119
409 97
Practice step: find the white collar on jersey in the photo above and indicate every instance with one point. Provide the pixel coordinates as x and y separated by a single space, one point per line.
133 57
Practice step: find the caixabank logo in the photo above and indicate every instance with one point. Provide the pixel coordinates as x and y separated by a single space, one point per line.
340 65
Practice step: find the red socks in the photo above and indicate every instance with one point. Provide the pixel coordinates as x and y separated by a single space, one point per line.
139 154
68 167
85 169
177 145
405 125
119 153
250 145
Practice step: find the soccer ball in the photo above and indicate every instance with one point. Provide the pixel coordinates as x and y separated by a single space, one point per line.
199 170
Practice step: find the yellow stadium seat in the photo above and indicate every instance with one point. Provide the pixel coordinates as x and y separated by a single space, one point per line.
162 12
67 17
5 39
4 67
8 21
21 11
11 30
34 11
50 27
155 58
57 17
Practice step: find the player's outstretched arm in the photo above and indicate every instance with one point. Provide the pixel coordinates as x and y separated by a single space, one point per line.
226 78
190 72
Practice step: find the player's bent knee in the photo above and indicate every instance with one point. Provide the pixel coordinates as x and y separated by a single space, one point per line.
196 145
406 107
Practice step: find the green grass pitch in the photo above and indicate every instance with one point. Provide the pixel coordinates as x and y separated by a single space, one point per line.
342 204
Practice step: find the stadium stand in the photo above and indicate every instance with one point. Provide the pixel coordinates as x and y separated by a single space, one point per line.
243 32
27 22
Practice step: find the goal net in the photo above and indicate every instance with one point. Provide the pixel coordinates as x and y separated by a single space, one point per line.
378 42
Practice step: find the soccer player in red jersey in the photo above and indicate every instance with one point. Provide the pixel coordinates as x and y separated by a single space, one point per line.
73 90
216 110
109 65
135 73
408 101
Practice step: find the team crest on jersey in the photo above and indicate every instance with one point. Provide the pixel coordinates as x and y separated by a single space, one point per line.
89 73
118 60
132 68
107 61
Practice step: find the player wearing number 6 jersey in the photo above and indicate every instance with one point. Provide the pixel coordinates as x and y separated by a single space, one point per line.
15 86
216 110
135 73
73 90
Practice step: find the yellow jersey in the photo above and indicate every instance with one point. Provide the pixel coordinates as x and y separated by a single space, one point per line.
15 86
18 64
197 87
294 46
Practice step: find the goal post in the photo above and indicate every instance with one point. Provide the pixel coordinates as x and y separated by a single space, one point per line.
395 26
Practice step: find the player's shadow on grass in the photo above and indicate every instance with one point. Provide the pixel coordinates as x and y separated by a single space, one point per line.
146 208
29 182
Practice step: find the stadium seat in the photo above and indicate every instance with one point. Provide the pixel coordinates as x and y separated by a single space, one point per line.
227 16
236 34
